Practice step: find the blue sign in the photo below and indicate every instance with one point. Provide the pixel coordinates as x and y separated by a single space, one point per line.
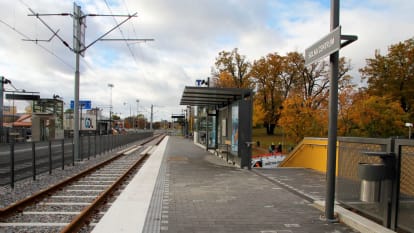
83 104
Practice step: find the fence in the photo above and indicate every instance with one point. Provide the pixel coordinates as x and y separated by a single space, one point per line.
396 208
23 160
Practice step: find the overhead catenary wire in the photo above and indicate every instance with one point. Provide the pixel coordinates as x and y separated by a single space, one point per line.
132 23
135 33
122 34
48 27
54 34
41 46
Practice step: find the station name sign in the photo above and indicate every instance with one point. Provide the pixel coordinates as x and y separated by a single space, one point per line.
324 47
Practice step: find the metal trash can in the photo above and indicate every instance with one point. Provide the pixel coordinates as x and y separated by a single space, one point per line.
371 175
370 191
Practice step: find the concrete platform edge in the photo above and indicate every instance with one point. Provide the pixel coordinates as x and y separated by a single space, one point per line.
134 199
354 220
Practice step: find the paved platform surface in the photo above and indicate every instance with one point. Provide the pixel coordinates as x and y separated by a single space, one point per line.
198 192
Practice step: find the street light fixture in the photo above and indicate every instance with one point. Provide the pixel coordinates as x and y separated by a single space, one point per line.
409 125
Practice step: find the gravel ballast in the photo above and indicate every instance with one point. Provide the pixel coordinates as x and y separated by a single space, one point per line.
28 187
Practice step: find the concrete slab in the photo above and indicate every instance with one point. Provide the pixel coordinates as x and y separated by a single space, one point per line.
128 212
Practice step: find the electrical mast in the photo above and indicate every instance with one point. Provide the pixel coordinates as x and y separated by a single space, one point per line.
79 48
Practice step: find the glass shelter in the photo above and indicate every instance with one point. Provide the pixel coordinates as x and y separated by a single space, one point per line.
222 119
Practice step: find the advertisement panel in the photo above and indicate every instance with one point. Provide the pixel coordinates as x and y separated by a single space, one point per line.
234 127
88 122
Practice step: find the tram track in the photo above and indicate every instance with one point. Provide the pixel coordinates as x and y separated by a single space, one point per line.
68 205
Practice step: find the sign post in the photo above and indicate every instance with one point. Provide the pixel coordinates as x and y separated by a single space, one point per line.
332 121
330 45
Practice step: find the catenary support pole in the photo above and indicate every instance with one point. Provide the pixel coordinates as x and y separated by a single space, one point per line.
76 15
333 115
79 17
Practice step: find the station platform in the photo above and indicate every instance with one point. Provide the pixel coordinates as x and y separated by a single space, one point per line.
183 188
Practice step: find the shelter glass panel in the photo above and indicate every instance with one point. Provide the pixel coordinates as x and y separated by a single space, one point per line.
234 128
212 131
202 130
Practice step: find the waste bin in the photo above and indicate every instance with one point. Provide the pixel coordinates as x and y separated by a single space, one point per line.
373 175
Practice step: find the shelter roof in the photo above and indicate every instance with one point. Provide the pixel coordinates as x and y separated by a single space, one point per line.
212 96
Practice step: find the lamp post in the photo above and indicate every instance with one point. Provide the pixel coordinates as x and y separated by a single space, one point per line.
110 85
137 113
409 125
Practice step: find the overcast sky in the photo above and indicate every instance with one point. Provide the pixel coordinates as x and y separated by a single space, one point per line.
188 36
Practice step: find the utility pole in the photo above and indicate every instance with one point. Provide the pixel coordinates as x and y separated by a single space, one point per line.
79 48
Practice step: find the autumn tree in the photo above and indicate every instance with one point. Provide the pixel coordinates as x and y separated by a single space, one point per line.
141 121
393 74
298 120
224 79
307 102
258 112
377 116
347 99
304 111
231 70
270 78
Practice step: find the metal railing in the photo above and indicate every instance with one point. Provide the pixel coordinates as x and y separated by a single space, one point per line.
395 209
23 160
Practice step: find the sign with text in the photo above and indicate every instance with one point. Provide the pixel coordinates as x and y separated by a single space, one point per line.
324 47
83 104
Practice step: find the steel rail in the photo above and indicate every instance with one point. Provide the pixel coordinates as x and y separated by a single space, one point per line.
19 205
80 219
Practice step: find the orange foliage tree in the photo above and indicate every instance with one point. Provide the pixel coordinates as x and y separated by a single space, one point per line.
295 97
231 65
268 73
258 112
376 116
393 74
299 120
307 103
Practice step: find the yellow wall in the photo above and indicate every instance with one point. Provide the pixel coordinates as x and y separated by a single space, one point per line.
310 153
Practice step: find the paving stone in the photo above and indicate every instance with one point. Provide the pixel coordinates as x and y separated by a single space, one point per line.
207 195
